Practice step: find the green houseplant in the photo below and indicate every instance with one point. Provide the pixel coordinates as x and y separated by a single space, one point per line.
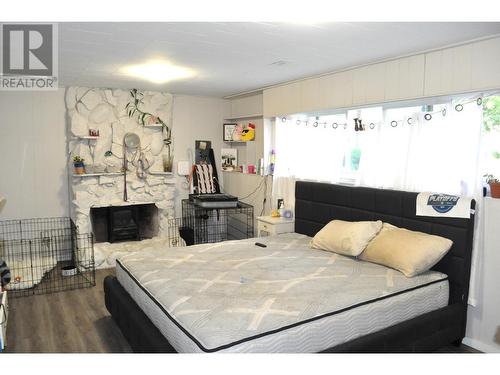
79 165
494 185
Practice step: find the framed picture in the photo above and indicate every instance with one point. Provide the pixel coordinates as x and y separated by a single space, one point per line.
228 132
229 159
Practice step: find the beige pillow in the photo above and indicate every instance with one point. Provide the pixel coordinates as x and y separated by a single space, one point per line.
407 251
346 237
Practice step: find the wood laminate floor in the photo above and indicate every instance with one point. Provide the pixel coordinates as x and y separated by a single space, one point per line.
74 321
77 322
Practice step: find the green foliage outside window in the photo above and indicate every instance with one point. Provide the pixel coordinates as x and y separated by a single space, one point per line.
355 156
491 118
491 113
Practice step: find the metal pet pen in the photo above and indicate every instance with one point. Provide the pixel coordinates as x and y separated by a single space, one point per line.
46 255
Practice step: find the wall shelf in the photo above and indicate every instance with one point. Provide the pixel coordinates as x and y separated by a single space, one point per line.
159 173
98 174
88 137
244 117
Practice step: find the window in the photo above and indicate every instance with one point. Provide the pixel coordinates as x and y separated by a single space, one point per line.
429 148
491 128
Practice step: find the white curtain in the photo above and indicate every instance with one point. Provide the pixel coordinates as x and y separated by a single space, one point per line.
436 155
399 149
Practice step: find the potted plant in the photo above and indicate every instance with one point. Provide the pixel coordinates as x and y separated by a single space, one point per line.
494 185
79 165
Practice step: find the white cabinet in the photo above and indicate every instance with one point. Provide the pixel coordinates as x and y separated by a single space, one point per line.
337 89
369 84
466 68
485 64
326 92
246 106
282 100
404 78
311 95
448 71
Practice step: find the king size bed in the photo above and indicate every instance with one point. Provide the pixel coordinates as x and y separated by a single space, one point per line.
287 297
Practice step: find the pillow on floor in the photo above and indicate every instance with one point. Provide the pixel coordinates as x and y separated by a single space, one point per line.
346 237
407 251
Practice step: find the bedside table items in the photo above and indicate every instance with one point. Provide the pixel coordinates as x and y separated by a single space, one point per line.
79 165
275 213
287 214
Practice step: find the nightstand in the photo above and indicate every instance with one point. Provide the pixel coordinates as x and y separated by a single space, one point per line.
274 225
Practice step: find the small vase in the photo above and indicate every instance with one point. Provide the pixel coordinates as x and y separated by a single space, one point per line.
495 189
79 168
167 163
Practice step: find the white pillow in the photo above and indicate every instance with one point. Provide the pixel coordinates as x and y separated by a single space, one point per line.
407 251
346 237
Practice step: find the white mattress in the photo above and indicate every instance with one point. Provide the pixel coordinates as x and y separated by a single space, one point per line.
237 297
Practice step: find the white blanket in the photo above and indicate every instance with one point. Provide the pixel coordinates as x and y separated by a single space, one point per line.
29 273
443 205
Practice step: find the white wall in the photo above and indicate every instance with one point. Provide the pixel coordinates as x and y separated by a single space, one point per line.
33 174
33 144
196 118
483 321
241 185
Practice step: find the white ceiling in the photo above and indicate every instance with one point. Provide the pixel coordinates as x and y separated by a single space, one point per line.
232 58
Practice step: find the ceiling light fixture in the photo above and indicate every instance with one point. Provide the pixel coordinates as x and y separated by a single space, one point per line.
158 71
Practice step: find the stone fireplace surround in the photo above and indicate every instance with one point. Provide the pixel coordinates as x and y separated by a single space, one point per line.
104 109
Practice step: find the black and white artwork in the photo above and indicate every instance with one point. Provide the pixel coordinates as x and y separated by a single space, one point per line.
229 159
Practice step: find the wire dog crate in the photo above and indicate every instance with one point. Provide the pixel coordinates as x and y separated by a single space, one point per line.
205 225
46 255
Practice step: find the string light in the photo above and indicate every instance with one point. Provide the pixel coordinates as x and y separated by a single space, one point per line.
410 120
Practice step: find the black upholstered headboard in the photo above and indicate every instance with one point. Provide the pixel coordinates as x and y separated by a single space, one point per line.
318 203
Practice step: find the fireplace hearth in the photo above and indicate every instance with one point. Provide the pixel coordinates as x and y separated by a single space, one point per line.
124 223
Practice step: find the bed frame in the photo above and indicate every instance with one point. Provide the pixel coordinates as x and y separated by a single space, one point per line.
316 204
